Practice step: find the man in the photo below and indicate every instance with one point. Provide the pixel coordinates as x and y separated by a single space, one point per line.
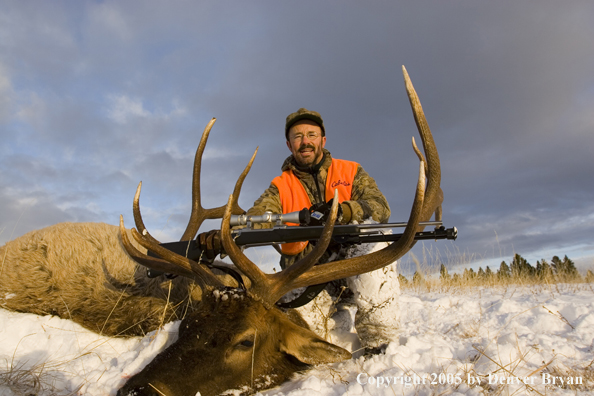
308 180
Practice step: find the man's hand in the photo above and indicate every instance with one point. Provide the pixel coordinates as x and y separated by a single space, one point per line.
321 211
210 244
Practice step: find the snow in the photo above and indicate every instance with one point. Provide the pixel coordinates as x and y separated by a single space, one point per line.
448 341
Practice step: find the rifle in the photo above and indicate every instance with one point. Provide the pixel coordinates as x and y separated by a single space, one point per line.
283 233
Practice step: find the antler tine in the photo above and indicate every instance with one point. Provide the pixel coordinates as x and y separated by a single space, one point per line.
206 279
268 288
438 211
199 214
419 154
218 213
237 190
258 278
147 261
179 265
175 263
434 194
285 278
138 216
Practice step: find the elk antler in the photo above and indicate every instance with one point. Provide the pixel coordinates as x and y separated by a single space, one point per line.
270 287
433 194
199 214
171 262
178 265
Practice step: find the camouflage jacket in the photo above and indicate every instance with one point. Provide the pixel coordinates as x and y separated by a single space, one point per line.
366 198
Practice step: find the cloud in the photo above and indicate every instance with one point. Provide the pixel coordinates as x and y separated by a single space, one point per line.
34 111
122 108
6 96
109 18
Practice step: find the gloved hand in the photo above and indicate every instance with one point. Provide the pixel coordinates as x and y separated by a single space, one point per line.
321 211
347 213
210 244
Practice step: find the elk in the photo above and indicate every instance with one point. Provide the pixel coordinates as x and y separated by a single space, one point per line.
230 337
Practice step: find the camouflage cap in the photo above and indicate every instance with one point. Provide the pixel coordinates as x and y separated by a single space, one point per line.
304 114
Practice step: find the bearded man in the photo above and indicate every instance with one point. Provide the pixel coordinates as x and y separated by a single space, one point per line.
309 177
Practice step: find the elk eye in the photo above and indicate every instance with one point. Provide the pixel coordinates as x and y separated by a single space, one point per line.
247 343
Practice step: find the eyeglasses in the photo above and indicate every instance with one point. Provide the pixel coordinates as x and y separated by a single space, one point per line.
299 136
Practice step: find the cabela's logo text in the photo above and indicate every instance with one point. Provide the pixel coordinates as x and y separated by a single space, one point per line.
340 183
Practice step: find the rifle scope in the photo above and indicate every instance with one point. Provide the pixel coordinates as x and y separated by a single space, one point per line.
301 217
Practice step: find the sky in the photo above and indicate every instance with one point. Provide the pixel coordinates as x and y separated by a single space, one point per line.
96 96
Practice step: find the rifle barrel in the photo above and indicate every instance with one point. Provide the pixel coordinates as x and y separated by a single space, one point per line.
353 234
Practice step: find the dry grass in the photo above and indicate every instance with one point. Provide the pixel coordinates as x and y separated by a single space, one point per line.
34 381
427 277
517 368
430 283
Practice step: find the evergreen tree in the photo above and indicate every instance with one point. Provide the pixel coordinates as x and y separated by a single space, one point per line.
417 278
520 267
565 269
557 265
570 269
481 273
456 279
504 271
468 274
544 271
443 274
488 272
590 276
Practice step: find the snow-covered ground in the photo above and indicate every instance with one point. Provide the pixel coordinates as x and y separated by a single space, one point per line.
450 341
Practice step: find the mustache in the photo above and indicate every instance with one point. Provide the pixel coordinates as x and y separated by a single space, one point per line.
307 146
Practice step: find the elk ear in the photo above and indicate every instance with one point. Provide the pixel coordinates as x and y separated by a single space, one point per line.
308 348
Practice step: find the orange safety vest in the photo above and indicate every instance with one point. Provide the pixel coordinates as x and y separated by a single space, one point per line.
293 196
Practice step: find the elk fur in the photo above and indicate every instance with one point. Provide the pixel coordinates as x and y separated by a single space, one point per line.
80 271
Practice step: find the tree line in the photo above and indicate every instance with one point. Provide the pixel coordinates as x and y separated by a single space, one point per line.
519 270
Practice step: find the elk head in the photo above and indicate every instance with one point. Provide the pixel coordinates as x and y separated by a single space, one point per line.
238 338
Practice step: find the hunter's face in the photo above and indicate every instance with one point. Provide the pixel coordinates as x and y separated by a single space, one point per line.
306 142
